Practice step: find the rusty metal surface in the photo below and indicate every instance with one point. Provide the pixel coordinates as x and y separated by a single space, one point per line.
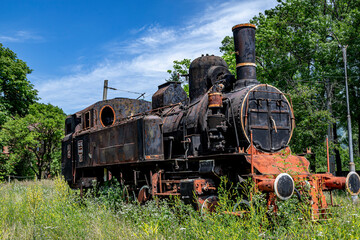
123 108
171 119
244 40
154 183
163 187
71 122
196 116
276 164
153 138
97 144
265 184
177 123
144 194
134 140
167 94
311 188
203 186
119 143
266 111
198 82
215 100
314 184
216 74
335 183
66 161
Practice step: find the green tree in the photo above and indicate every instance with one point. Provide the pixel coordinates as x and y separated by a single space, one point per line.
228 50
293 55
180 68
16 92
34 142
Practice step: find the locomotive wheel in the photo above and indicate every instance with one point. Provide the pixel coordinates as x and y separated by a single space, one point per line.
144 194
209 205
241 207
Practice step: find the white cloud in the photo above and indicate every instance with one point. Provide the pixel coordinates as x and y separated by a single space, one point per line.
149 56
20 36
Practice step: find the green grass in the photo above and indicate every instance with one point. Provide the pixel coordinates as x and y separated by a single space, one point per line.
48 209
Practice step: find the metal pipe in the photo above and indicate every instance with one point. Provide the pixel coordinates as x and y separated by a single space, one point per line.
327 154
343 49
106 82
251 149
351 156
160 184
266 185
331 198
335 183
351 164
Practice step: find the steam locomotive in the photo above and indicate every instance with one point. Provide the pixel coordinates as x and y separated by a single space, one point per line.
233 127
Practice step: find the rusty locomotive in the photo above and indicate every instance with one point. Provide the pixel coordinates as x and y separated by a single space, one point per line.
234 127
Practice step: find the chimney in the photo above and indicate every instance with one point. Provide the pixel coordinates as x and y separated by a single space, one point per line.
244 40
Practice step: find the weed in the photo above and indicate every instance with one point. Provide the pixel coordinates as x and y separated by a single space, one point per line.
51 210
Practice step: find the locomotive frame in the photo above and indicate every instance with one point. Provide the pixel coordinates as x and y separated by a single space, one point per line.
234 127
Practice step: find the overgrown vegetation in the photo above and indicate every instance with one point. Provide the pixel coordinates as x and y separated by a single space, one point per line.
50 210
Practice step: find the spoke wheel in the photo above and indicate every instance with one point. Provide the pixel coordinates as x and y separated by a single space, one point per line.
241 207
209 204
144 194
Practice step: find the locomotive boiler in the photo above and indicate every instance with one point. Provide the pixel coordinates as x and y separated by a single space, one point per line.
233 127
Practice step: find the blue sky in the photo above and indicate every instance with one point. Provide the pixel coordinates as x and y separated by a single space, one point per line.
72 46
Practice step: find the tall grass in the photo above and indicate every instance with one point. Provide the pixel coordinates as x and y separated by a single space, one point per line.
48 209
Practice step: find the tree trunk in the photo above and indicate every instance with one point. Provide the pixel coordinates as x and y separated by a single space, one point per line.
39 174
330 132
337 153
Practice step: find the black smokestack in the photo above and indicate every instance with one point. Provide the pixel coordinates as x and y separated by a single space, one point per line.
244 40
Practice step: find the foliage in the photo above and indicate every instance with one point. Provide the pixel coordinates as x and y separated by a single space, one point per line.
50 210
16 92
228 50
307 113
180 68
34 141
